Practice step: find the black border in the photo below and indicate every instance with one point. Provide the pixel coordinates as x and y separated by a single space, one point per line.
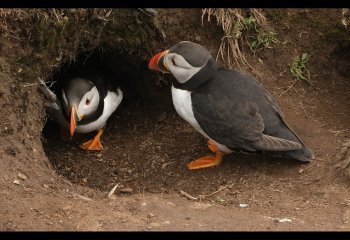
176 235
174 3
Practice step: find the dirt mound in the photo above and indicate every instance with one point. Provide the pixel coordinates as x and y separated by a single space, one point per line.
49 184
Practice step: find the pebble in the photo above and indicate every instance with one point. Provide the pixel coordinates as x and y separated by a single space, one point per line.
16 181
162 117
164 165
99 155
243 205
301 171
22 176
127 190
84 180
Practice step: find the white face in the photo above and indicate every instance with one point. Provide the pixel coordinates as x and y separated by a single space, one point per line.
88 103
179 67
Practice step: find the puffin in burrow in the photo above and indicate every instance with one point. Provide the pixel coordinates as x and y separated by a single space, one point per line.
230 108
87 97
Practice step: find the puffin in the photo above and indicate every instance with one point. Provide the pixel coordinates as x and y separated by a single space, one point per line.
229 107
86 98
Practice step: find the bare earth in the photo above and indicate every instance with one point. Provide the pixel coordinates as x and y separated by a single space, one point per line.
147 146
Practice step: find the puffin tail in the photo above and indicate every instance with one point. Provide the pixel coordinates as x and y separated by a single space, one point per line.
305 154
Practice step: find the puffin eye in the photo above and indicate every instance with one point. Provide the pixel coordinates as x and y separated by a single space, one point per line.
88 101
173 60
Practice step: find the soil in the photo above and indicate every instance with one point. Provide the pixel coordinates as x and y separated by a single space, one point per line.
147 146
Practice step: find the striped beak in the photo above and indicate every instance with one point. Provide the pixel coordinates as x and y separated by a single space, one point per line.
73 124
157 62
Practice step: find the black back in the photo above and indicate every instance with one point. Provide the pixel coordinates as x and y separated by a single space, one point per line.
235 109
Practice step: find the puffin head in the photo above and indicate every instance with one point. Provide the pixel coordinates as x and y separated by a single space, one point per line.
81 99
183 60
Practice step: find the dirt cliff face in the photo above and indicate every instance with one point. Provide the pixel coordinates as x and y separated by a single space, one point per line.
49 184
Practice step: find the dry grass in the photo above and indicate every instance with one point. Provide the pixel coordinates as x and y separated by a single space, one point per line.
233 23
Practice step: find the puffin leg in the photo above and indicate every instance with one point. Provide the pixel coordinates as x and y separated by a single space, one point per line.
93 144
212 146
207 161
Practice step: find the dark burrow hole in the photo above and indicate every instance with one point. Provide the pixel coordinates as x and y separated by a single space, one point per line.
341 58
146 144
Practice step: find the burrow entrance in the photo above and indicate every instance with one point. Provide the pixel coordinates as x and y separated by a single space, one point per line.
146 144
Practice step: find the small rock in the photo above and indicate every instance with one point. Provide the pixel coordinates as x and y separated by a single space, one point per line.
297 209
284 220
243 205
301 171
127 190
84 180
150 215
162 117
22 176
198 38
129 171
188 130
149 227
99 155
16 182
164 165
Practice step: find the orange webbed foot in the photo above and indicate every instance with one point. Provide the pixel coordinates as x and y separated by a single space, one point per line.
93 144
205 162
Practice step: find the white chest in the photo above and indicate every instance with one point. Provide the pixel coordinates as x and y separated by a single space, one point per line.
183 105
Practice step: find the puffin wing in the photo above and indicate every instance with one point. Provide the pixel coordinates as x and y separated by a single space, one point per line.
235 121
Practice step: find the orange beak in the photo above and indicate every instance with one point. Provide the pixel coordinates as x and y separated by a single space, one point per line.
157 62
72 122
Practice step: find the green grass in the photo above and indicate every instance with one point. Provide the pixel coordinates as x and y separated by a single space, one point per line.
241 25
299 68
259 38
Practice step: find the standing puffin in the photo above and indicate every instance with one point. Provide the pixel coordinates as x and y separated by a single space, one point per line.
86 99
231 109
